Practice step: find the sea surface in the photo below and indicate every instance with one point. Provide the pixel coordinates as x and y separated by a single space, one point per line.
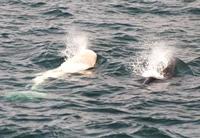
111 101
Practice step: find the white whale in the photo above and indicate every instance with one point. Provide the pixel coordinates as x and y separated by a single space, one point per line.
83 60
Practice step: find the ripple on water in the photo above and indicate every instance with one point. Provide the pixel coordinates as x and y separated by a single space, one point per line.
148 131
38 4
58 13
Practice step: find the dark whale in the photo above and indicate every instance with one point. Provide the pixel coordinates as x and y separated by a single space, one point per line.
176 67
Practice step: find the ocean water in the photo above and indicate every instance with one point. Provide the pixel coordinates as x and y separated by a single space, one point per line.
110 101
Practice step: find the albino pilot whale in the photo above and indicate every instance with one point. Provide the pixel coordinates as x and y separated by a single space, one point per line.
82 60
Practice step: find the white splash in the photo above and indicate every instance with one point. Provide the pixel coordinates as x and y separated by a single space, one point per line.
152 63
79 58
75 42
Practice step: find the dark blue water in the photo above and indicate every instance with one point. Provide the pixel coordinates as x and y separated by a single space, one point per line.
111 102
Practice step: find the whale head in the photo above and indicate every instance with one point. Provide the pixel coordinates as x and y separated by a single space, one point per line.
86 57
169 71
166 73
